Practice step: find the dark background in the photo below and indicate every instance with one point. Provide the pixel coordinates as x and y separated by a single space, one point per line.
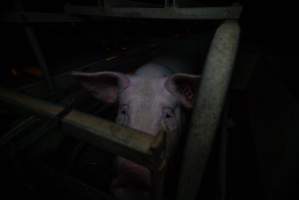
262 152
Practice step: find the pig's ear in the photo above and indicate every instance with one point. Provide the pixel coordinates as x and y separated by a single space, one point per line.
184 87
103 85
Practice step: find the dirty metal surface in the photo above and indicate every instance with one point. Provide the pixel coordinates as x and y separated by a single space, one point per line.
230 12
114 138
208 108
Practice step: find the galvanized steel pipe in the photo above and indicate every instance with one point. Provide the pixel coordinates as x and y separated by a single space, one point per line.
211 96
128 143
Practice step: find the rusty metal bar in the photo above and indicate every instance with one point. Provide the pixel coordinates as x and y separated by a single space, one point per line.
208 108
129 143
229 12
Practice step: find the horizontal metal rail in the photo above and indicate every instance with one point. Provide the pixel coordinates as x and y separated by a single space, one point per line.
37 17
229 12
126 3
128 143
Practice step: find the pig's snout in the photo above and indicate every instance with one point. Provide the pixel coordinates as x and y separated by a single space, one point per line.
133 181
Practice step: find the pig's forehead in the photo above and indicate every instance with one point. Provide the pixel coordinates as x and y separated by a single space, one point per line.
147 89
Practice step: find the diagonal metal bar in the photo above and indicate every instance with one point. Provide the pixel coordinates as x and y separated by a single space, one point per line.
18 129
39 56
129 143
47 126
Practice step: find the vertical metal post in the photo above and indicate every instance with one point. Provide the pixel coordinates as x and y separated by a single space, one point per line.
157 176
174 3
210 101
107 4
100 3
39 55
160 151
35 46
223 154
166 3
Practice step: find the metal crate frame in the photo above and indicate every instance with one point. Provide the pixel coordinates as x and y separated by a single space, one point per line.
134 145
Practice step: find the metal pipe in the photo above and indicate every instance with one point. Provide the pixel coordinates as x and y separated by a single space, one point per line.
106 4
208 108
39 55
157 178
174 3
166 3
16 130
34 44
223 154
128 143
45 127
213 13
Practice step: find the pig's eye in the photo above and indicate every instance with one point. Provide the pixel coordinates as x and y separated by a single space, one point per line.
123 109
168 113
169 118
123 115
123 112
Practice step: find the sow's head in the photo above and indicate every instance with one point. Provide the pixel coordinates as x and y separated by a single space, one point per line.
145 103
148 104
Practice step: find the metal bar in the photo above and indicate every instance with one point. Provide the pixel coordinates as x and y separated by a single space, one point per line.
74 154
47 126
158 172
223 163
68 184
37 17
100 3
211 96
106 4
129 143
34 44
226 123
158 178
174 3
39 55
130 3
166 3
230 12
18 129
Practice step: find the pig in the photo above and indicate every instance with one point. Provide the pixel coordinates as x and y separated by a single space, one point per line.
152 98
